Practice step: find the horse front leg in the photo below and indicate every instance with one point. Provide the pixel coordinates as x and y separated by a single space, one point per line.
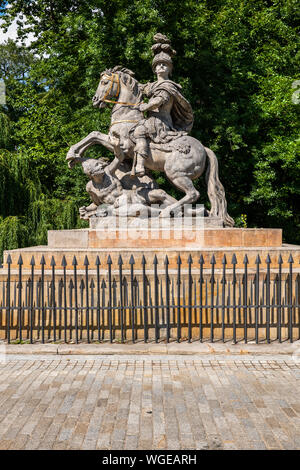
93 138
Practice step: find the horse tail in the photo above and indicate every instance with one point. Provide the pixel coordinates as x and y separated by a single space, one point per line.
215 190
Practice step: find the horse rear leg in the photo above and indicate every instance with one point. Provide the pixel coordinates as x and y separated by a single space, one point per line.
185 184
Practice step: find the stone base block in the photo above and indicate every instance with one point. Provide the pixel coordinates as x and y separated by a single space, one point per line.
170 237
252 252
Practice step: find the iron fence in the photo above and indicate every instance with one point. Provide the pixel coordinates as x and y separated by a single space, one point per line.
151 301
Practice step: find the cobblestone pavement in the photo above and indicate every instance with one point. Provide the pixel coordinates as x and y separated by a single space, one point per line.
149 402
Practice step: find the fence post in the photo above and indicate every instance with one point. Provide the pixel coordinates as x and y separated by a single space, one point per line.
98 263
234 262
268 282
201 281
212 293
257 262
9 262
245 295
32 263
178 298
120 263
74 264
109 263
87 300
290 303
190 287
223 282
20 262
64 264
144 262
278 300
52 264
132 262
167 297
156 298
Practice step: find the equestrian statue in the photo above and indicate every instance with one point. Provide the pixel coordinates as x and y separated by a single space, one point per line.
152 135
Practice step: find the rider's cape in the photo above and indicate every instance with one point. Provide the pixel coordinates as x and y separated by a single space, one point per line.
181 113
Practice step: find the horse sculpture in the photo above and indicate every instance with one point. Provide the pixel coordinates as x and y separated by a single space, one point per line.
182 160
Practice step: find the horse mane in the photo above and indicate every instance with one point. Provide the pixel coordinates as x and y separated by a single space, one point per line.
127 77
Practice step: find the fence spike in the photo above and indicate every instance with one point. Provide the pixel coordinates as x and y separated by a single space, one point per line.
82 285
97 262
201 259
280 260
213 259
131 261
92 284
144 260
190 260
20 260
9 260
74 262
155 260
268 259
258 260
109 260
64 262
32 262
61 284
52 262
290 260
246 261
103 284
86 261
120 261
42 262
234 260
224 260
71 284
166 262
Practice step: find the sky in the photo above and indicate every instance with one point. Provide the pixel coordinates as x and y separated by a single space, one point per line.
12 33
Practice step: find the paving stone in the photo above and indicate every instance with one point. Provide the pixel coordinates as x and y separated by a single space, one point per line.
150 402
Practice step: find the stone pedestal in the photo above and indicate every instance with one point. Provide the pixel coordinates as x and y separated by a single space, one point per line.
169 237
172 242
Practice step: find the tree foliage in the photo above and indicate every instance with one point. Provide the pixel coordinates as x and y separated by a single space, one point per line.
236 60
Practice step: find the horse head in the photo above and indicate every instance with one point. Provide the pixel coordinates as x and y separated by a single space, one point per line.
115 85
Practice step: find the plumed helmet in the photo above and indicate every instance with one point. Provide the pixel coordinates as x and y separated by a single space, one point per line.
162 51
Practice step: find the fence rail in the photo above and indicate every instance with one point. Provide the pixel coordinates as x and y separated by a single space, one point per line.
150 302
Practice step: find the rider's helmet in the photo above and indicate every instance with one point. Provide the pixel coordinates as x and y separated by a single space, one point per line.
162 51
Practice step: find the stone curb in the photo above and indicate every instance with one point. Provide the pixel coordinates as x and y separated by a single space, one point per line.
183 348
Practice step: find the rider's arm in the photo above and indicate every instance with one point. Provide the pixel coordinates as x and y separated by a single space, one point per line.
156 102
112 167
